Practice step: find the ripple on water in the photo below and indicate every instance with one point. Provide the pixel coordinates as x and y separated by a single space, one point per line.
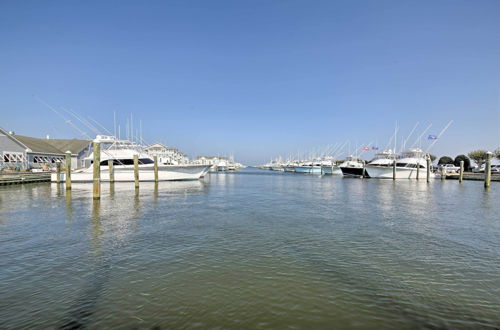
251 250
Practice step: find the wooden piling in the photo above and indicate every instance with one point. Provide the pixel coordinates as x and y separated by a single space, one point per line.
136 171
443 173
418 169
68 170
487 170
461 173
58 172
111 171
428 169
394 170
97 171
156 168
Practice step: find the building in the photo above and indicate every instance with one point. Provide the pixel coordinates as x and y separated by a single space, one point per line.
166 155
211 160
24 152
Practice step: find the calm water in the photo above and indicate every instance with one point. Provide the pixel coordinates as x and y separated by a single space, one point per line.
253 249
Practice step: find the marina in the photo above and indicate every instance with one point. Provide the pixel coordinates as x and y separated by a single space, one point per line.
250 165
308 251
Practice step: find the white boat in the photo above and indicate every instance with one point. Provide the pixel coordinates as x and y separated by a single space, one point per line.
328 167
122 153
406 166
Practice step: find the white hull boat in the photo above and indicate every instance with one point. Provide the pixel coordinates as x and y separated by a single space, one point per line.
331 170
406 167
122 153
125 173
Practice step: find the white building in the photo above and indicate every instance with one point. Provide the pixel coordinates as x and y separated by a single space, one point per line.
167 155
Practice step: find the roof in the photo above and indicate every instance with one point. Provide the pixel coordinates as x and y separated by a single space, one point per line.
73 145
52 146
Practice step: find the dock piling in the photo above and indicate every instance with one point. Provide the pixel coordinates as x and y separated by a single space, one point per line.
68 170
136 171
428 168
111 171
418 169
461 173
58 172
97 171
394 170
156 167
487 170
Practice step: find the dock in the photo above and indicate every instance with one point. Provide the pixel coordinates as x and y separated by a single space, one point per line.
472 176
10 178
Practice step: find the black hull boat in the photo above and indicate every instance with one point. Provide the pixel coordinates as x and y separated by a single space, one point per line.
354 172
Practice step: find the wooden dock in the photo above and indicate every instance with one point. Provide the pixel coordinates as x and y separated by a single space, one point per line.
472 176
23 178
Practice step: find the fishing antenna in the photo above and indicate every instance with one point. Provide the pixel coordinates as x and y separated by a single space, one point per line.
420 136
82 120
439 135
67 121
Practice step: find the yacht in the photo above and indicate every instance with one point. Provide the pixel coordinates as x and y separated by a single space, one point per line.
353 167
382 159
329 167
122 153
309 167
406 166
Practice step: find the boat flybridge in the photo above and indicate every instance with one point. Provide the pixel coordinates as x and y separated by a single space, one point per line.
406 165
122 153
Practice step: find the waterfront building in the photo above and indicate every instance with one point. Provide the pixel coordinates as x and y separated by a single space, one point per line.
24 152
167 155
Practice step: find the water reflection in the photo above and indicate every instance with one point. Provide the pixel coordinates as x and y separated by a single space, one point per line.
248 251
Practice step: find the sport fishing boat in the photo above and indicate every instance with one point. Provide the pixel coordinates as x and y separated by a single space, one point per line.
329 167
352 167
121 153
406 166
382 159
309 167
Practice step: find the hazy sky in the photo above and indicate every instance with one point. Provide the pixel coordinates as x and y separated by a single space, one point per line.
256 78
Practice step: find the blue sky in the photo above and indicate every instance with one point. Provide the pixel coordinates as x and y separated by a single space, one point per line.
256 78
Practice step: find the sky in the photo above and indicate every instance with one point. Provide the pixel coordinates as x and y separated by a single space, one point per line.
258 78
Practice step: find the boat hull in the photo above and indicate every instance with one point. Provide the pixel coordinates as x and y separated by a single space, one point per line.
332 170
385 172
353 172
125 173
308 169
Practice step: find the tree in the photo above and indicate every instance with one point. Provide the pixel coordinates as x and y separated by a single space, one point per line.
466 162
445 160
497 153
433 158
478 156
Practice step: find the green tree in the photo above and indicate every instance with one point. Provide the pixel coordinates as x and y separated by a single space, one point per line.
445 160
478 156
466 162
497 153
433 158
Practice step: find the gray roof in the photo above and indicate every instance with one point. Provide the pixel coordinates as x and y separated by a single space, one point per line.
73 145
52 146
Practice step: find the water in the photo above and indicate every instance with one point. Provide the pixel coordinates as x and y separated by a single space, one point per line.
253 249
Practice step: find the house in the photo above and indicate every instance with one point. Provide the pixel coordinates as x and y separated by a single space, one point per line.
18 151
166 155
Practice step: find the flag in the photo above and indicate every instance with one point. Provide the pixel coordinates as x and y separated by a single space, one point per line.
374 148
432 137
366 148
